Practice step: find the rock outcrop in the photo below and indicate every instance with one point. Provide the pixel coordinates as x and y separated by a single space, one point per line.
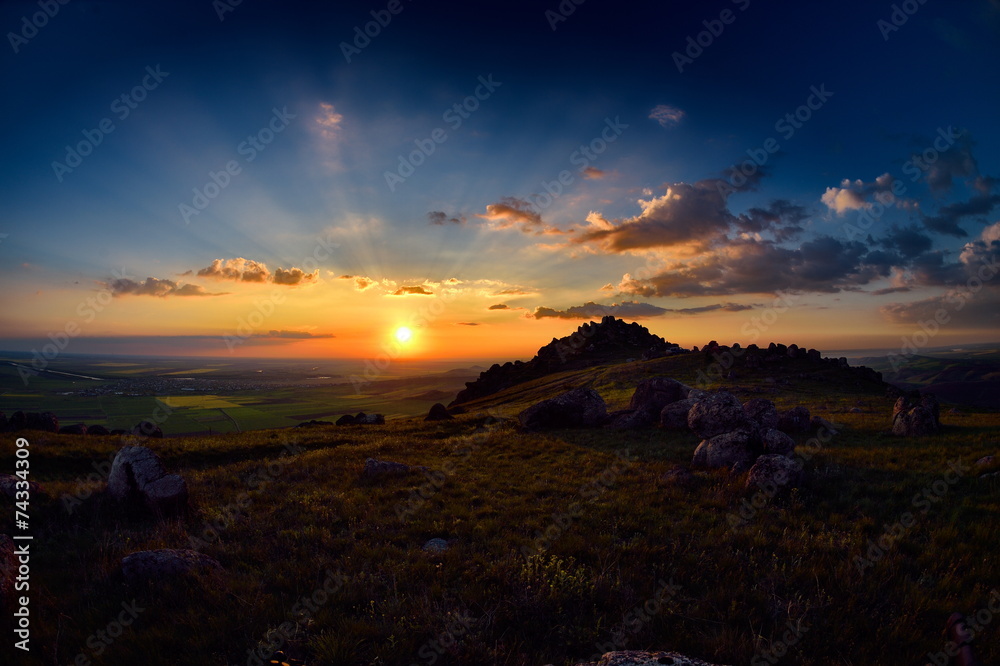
773 474
579 407
438 412
593 343
717 414
916 415
151 565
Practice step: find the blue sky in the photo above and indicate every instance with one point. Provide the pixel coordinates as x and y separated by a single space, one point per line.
644 227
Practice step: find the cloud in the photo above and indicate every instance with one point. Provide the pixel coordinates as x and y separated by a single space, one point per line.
293 335
753 266
328 121
440 218
415 290
954 163
724 307
854 195
667 116
243 270
292 276
361 283
152 286
947 218
593 173
591 310
512 212
780 217
909 242
248 270
499 306
468 323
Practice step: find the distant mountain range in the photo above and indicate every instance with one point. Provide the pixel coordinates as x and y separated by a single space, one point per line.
959 376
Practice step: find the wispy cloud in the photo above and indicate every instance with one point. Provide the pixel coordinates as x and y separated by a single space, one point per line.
668 116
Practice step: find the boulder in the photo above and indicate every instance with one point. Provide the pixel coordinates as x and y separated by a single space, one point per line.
794 421
652 395
97 430
629 419
576 408
138 476
677 476
985 460
774 473
716 414
914 422
8 487
438 412
78 429
368 419
642 658
8 569
762 412
46 422
134 468
346 419
378 468
147 428
150 565
18 421
776 442
167 496
435 546
675 415
735 450
4 424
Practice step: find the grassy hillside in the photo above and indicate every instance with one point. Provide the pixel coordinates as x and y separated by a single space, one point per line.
561 544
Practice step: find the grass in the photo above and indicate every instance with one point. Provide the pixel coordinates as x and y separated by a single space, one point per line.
554 542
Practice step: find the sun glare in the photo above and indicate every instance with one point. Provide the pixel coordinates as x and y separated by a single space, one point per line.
403 334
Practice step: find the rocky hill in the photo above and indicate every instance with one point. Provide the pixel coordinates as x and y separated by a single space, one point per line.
611 340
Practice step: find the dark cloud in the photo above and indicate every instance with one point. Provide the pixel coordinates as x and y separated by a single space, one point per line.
292 276
468 323
947 218
781 217
152 286
417 290
943 167
441 218
723 307
293 335
750 266
908 242
591 310
361 283
499 306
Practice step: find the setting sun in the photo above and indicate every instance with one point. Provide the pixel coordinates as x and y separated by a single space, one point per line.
404 334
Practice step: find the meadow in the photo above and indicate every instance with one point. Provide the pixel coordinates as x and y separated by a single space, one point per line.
560 544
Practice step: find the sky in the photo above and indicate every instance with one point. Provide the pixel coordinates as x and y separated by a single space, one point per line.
304 179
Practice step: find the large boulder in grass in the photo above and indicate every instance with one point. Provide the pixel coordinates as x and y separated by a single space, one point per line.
736 450
97 430
46 422
9 487
643 658
147 428
438 412
773 441
675 415
774 473
716 414
577 408
18 421
374 469
794 421
76 429
166 563
762 412
137 475
915 422
652 395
